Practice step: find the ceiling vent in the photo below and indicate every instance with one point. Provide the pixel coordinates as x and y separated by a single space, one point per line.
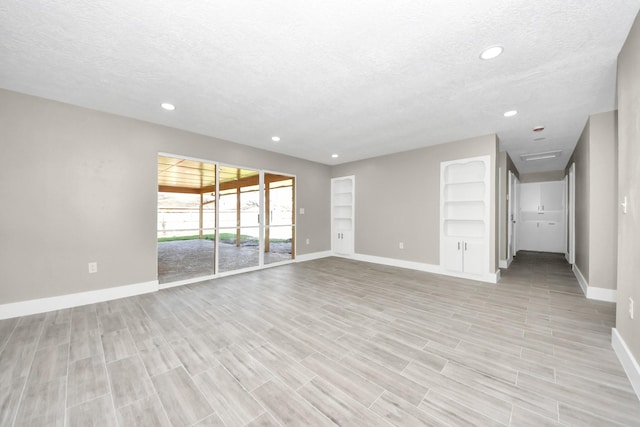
541 156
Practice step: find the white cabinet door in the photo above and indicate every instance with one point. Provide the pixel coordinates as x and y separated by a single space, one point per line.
551 237
343 242
451 253
530 196
474 256
551 195
528 236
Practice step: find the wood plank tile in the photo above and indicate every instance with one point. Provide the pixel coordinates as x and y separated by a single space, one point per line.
157 355
337 406
398 384
10 394
85 344
42 404
184 403
401 413
49 363
231 402
245 369
87 380
146 412
453 413
287 407
118 345
98 412
485 404
343 378
129 381
264 420
290 372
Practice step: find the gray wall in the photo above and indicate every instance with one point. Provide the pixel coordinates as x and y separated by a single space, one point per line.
603 206
596 200
78 185
398 200
629 186
581 158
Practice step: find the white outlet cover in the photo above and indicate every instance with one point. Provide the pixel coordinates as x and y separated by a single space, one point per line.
301 211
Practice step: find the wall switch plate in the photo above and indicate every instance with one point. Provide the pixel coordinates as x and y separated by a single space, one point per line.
401 245
301 211
93 267
624 205
631 308
308 240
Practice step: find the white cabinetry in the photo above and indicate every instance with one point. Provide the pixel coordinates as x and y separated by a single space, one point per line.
464 215
542 219
342 215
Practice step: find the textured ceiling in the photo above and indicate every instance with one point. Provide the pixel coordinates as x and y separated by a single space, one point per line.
358 78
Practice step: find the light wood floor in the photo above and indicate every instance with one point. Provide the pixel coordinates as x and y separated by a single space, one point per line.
325 342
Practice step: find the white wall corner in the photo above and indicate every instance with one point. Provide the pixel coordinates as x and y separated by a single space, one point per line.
313 255
593 292
581 280
60 302
628 362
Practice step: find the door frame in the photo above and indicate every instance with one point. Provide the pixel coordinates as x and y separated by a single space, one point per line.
571 215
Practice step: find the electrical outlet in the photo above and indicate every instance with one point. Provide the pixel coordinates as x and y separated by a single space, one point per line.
631 308
401 245
301 211
308 241
93 267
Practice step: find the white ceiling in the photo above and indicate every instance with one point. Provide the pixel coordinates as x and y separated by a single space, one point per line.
357 78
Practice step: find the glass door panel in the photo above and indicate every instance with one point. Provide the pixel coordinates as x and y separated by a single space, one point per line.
239 221
279 230
185 219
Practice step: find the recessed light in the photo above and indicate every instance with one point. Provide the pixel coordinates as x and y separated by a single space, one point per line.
275 138
510 113
491 52
167 106
335 156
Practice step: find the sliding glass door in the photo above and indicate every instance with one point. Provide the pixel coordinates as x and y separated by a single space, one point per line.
216 219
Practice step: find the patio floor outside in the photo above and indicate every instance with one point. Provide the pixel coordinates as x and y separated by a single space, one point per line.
188 259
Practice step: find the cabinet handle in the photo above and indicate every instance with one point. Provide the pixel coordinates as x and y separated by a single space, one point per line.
458 245
465 246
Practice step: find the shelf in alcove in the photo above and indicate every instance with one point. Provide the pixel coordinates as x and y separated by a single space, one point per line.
464 228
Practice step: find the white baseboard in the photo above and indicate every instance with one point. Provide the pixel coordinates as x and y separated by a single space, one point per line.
602 294
505 263
593 292
628 362
581 280
429 268
313 255
42 305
